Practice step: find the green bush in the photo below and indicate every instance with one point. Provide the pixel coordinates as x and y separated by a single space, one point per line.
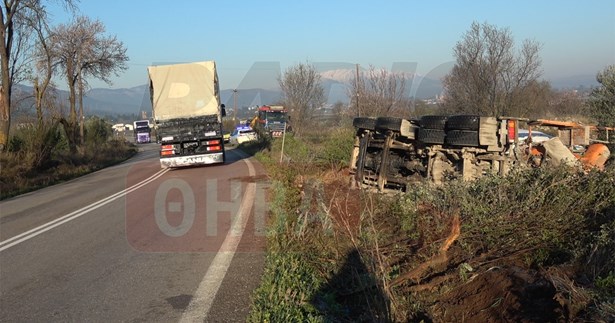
286 288
16 144
336 148
289 280
97 131
606 285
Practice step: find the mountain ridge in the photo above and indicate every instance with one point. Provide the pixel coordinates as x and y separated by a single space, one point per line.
336 83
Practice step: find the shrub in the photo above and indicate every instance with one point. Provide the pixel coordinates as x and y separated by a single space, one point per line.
336 148
97 131
40 156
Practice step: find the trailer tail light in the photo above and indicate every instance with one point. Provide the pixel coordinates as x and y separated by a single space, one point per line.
212 142
512 130
214 148
166 150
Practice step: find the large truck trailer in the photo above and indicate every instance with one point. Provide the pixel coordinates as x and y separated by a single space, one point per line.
187 113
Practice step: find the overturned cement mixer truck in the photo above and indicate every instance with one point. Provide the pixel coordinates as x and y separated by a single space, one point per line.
394 152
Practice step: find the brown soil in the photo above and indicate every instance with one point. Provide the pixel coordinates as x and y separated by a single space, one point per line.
502 294
346 204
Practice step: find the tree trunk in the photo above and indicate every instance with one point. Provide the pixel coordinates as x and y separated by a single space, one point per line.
5 117
4 133
72 130
81 116
38 97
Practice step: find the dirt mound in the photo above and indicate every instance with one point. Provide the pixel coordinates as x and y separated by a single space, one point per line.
501 294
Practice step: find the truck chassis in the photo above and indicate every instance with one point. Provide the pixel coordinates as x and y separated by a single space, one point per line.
394 153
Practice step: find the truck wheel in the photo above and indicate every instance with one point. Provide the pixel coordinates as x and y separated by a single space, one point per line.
462 138
364 123
463 122
431 136
389 123
433 122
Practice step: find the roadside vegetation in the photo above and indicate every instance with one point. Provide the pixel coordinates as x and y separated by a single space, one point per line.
39 156
535 245
41 143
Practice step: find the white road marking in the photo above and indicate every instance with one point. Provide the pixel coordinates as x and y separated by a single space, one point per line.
203 298
75 214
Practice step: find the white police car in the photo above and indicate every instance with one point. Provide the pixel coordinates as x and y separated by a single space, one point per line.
242 134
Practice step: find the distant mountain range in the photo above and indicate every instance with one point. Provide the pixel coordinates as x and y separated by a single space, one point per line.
336 83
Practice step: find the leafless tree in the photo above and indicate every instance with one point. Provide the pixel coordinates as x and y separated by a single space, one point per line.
15 46
566 104
489 77
302 94
44 62
85 52
532 101
378 92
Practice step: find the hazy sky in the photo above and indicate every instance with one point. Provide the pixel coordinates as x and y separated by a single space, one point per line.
578 37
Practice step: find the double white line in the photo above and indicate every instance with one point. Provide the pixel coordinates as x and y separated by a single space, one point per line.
75 214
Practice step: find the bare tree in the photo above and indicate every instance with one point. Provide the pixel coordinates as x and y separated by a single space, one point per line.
84 52
533 100
45 63
378 92
302 94
489 76
14 51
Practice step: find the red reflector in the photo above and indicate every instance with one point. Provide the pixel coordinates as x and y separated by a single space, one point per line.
166 152
166 147
212 142
213 148
511 129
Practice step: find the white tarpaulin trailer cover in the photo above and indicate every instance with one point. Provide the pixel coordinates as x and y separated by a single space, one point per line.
184 90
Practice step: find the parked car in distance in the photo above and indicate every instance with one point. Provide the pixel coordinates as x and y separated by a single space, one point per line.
242 134
537 136
227 136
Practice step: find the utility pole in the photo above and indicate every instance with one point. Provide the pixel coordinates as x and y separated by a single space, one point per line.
357 89
235 105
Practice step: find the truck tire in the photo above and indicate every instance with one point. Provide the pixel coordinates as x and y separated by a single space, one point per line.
463 122
433 122
389 123
462 138
364 123
431 136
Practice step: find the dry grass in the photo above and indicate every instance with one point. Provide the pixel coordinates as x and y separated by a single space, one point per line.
18 175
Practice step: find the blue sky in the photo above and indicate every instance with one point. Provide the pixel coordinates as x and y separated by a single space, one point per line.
578 37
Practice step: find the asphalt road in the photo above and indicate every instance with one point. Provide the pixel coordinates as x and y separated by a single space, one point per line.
136 243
